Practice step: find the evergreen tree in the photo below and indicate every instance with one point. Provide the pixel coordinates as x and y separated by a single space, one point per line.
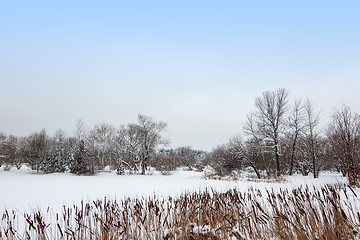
79 165
58 161
60 155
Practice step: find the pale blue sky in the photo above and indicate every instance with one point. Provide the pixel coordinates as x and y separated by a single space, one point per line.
196 64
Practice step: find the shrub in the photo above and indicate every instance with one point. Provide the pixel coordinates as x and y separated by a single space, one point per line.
166 164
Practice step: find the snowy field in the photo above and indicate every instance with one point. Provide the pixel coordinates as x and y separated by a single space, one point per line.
25 190
49 206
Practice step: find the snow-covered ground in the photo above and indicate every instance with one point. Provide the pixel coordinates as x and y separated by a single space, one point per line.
25 190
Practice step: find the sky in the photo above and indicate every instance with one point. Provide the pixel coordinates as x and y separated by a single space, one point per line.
197 65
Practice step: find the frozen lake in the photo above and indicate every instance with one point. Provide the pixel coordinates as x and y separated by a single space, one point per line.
24 190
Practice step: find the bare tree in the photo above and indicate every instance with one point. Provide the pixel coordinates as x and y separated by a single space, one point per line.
102 137
268 122
218 158
187 156
12 151
312 141
150 136
296 125
80 130
244 153
165 161
119 148
344 138
38 150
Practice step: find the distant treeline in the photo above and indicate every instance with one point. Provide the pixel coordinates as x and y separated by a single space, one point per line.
132 147
279 137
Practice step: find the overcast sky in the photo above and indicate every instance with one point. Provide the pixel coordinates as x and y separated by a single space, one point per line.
198 65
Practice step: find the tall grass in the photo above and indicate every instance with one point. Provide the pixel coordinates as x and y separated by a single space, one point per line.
329 212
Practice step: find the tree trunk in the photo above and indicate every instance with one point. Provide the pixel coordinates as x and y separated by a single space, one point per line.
277 159
314 167
292 162
143 166
292 157
256 171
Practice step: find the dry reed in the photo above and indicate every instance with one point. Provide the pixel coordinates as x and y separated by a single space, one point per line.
328 212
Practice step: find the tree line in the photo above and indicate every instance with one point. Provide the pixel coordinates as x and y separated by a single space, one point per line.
279 137
132 147
283 137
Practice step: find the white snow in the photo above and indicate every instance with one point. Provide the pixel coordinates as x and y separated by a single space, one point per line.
25 190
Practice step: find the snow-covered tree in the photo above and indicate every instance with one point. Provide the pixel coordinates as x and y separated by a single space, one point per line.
60 158
128 147
101 138
3 155
150 138
119 150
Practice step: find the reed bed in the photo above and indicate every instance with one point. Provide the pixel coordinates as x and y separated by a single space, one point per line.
329 212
